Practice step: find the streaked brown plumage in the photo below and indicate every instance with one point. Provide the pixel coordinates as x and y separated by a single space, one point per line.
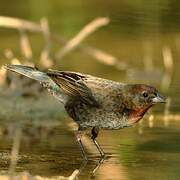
95 102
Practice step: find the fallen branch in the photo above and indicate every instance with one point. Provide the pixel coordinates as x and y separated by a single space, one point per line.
86 31
104 57
45 60
19 24
25 46
27 176
97 54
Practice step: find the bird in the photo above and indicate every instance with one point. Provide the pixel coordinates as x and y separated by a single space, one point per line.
95 103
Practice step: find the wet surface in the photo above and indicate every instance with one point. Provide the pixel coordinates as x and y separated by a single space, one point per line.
48 148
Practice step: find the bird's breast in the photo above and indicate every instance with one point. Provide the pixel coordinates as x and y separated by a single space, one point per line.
101 117
137 115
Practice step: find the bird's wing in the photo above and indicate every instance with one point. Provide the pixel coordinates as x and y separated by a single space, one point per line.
73 85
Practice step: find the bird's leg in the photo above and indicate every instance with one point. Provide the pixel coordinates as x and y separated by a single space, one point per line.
78 138
78 135
94 133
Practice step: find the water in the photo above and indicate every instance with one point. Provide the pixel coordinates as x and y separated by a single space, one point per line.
139 30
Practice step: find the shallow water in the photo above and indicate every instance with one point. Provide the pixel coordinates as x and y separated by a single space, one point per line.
139 33
153 153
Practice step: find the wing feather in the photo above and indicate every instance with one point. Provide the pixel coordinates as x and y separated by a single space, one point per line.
73 85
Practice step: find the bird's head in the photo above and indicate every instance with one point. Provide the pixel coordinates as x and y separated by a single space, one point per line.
138 98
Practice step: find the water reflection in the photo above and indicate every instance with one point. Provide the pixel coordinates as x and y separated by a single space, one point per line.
130 156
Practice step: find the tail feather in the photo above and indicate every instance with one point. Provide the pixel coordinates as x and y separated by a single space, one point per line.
29 72
42 77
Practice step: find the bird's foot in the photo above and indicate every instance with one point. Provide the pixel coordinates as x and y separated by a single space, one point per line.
101 160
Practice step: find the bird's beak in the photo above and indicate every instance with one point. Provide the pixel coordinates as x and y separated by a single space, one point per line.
159 99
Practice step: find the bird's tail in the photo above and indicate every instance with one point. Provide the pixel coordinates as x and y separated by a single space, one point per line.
29 72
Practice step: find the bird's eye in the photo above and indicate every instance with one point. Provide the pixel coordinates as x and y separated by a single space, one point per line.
145 94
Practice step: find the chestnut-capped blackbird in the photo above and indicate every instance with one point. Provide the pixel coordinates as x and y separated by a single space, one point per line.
94 102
